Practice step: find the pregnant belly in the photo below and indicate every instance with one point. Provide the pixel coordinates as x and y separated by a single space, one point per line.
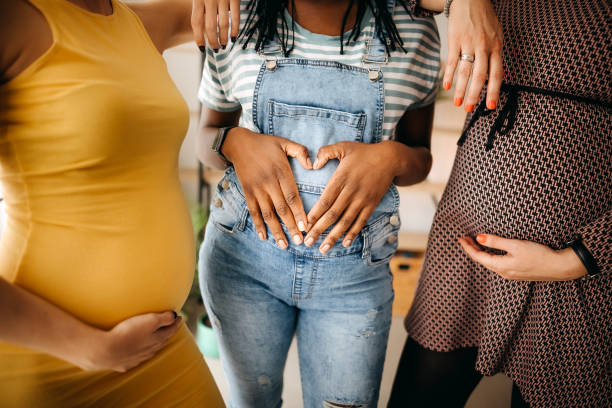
106 276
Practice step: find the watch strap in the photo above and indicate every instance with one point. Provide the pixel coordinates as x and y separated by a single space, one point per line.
218 141
586 257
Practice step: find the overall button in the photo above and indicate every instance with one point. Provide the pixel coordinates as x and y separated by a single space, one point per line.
392 239
373 75
394 220
225 184
218 203
271 65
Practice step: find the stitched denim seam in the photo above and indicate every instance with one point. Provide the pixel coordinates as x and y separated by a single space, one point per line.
355 120
258 82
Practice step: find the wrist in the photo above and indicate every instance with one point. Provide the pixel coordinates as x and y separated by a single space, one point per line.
570 263
404 159
92 345
230 143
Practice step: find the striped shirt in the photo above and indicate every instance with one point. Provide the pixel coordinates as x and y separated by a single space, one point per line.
410 78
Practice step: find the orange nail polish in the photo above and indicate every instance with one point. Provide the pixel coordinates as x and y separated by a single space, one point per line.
446 86
469 108
481 238
492 105
458 101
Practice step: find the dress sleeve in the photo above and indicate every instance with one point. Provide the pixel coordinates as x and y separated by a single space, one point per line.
597 237
212 92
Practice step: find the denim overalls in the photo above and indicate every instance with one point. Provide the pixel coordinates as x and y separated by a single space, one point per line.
338 304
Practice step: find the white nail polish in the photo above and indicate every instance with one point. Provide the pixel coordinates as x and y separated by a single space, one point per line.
309 241
325 248
301 226
261 235
281 243
348 242
297 239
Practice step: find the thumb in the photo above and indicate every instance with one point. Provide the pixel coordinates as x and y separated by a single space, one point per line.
325 154
157 320
493 241
298 152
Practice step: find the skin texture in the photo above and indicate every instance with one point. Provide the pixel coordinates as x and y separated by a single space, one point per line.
473 29
207 27
524 260
26 319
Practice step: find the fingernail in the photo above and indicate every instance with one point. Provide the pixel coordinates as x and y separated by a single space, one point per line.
325 248
308 163
469 108
481 238
281 243
216 50
175 314
233 39
458 101
315 164
261 235
347 242
492 105
297 239
301 226
202 49
446 86
223 46
309 241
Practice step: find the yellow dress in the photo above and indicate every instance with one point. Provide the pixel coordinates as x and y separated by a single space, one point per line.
97 222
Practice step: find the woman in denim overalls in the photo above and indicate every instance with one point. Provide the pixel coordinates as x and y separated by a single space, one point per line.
332 287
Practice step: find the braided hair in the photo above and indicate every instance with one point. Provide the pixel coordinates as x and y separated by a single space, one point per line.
263 17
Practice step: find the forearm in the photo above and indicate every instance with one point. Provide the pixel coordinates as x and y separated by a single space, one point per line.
182 32
206 155
167 21
433 5
411 164
30 321
210 122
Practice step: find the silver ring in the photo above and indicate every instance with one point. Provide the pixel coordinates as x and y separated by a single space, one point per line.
467 57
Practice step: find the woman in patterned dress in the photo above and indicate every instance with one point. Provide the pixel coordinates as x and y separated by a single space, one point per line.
529 177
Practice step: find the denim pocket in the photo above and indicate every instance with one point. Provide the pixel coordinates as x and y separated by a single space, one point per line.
227 209
382 241
314 127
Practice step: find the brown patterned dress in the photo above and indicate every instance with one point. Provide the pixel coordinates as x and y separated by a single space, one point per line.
538 168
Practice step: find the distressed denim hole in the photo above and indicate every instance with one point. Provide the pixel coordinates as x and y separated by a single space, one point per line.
331 404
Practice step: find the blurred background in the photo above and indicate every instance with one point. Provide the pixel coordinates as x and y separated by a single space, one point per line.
418 205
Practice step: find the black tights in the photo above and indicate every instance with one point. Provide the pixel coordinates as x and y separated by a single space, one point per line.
432 379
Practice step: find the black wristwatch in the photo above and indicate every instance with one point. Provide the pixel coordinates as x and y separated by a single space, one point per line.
218 142
586 257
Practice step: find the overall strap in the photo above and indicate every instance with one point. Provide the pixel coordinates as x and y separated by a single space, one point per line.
376 51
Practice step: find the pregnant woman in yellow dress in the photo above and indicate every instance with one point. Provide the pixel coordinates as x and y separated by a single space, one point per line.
97 253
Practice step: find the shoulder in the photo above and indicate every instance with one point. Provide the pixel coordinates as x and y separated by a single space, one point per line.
25 34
